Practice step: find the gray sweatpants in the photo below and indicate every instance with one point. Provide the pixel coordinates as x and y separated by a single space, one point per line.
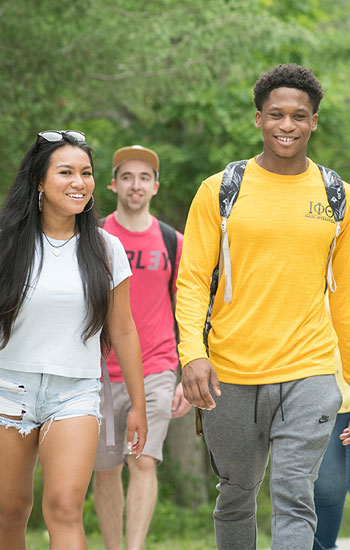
293 419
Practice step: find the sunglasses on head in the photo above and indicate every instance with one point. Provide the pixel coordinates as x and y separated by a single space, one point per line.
58 135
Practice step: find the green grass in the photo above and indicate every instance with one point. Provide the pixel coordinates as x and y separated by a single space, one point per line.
191 531
38 540
345 526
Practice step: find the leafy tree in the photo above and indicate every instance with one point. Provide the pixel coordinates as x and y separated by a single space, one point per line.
175 76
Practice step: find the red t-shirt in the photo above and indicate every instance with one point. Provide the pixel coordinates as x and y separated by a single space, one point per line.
149 296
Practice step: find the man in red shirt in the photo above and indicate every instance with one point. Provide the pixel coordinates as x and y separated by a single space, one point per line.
135 181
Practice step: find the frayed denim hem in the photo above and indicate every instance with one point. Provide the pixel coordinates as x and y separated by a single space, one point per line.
18 425
24 430
47 425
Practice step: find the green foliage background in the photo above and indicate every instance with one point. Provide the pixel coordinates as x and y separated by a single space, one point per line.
176 76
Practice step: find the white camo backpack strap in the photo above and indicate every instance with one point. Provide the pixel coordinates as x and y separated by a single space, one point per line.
337 201
107 389
229 190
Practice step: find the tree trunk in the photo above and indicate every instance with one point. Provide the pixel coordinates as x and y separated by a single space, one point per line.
187 455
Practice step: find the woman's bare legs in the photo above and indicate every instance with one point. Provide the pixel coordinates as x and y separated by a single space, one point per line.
18 458
67 455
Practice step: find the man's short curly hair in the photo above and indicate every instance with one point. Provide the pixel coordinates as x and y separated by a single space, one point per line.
288 76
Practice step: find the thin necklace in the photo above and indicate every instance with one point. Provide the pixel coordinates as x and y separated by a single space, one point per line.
56 248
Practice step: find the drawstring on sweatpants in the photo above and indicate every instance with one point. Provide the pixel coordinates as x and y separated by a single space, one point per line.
256 403
281 402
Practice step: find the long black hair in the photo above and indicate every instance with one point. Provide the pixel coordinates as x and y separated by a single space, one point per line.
21 231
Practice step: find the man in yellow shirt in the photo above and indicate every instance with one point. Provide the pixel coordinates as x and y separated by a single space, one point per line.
268 383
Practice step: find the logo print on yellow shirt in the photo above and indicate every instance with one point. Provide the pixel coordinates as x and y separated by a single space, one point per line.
318 211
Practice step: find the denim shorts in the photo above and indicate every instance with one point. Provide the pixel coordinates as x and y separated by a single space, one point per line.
37 398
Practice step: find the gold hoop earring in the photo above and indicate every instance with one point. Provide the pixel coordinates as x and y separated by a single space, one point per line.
92 204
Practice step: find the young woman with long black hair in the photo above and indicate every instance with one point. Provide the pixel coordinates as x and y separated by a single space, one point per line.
64 287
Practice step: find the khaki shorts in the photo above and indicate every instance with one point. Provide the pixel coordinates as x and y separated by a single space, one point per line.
159 390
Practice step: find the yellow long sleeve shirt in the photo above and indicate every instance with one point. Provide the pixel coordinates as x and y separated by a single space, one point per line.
343 386
276 329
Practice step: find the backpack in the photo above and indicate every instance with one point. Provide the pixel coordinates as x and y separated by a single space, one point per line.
170 241
228 194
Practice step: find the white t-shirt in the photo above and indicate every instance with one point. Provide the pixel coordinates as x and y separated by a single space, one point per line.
47 334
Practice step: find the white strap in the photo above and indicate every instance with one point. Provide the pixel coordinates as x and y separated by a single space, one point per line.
225 257
332 285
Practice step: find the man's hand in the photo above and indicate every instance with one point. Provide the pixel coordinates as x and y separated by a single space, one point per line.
345 436
196 376
137 424
180 406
